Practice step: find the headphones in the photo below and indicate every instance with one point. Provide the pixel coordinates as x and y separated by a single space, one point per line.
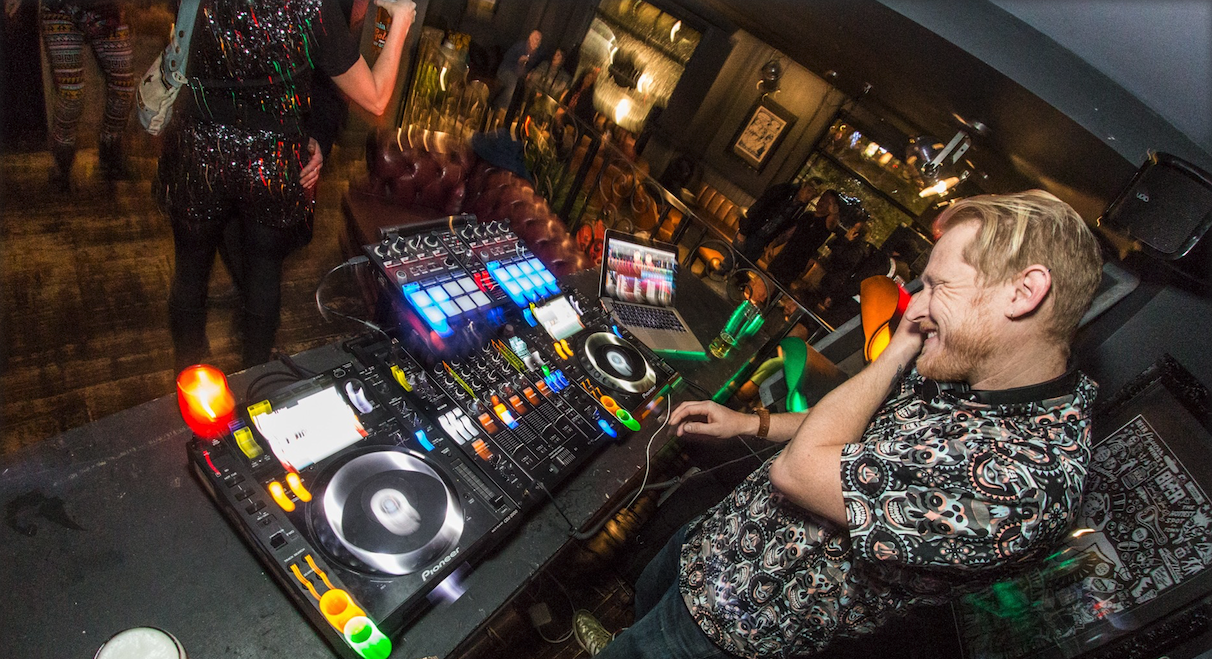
932 390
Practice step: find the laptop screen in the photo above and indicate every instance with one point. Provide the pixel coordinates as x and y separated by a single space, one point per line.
633 271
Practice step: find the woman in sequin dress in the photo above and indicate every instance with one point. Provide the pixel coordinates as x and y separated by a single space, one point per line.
236 150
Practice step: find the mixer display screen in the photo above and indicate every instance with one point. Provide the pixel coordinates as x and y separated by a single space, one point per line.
311 429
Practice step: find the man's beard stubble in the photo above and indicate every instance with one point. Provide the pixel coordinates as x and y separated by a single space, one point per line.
957 356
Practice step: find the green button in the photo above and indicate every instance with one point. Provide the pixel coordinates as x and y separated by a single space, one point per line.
627 419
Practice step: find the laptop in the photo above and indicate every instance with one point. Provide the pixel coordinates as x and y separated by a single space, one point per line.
637 288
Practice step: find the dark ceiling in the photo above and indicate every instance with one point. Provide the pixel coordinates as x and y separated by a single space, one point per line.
920 81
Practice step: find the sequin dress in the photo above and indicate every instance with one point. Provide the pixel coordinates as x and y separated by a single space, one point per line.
234 150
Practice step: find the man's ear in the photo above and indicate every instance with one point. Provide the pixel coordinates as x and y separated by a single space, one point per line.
1031 286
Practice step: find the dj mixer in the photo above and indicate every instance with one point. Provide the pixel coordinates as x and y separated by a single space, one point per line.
457 275
363 488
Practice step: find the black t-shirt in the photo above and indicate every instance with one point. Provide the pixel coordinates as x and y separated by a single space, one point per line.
337 49
329 108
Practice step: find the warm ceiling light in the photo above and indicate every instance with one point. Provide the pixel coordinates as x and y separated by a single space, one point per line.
673 32
622 109
941 187
644 84
937 188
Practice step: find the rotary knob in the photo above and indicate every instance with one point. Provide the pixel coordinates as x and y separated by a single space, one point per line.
382 250
414 243
431 240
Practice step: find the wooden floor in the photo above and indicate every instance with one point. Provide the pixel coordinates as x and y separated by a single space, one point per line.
84 288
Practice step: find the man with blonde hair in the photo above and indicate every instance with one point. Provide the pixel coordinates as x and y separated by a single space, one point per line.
955 458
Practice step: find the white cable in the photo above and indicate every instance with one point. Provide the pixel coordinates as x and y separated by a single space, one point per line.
647 453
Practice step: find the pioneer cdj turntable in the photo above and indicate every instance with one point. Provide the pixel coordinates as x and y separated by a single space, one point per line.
357 501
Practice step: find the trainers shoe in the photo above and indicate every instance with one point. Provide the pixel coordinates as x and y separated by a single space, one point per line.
590 634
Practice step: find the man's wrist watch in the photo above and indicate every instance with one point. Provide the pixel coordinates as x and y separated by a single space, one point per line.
763 423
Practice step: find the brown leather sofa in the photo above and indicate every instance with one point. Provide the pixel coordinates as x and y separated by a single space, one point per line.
413 177
718 210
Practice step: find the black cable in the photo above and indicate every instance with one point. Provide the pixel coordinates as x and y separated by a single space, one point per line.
325 309
543 488
701 389
248 391
572 607
290 363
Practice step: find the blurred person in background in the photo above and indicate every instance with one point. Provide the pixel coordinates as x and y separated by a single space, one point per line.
67 27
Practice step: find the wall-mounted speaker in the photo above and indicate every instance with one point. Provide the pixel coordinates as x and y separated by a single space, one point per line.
1167 207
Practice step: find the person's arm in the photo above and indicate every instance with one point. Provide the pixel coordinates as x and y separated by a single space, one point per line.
371 88
719 422
808 471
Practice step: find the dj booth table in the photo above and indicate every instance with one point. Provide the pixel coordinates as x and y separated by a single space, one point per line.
107 529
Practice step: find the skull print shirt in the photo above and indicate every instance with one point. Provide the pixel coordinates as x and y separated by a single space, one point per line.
942 496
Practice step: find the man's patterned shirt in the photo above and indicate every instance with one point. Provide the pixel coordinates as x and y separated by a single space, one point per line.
941 496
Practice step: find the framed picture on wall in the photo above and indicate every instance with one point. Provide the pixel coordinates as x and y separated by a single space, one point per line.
767 124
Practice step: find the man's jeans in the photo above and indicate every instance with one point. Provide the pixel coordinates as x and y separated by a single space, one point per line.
663 628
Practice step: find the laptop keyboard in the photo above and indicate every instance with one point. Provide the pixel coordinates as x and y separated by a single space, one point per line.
648 317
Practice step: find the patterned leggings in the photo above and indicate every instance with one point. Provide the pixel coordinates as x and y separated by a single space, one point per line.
65 29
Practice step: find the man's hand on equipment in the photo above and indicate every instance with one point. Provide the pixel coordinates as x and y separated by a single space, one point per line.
703 418
310 174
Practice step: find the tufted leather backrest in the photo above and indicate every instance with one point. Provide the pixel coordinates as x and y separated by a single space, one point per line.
717 209
412 175
422 178
495 194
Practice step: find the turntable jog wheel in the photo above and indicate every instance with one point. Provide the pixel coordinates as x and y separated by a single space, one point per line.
392 511
615 363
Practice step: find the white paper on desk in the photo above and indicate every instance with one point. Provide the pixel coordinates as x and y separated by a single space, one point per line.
559 318
312 429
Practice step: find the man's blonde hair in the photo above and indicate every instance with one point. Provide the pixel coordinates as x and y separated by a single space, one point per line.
1032 228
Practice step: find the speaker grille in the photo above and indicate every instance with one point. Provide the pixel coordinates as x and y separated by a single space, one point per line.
1167 207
